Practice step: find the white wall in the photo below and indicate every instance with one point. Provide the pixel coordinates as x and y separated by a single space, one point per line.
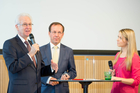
89 24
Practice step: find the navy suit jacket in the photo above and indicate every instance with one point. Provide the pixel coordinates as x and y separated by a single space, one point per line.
65 63
24 77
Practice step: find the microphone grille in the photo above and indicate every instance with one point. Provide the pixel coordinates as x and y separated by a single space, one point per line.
110 62
31 36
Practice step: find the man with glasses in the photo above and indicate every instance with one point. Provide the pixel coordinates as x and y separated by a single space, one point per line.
60 54
24 61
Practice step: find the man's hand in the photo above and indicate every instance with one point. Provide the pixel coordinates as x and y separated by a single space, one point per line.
65 77
34 49
53 82
54 66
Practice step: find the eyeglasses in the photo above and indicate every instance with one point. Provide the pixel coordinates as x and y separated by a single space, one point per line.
59 33
25 24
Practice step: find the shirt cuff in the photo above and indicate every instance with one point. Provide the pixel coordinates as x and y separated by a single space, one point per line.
65 73
30 57
52 69
48 80
136 81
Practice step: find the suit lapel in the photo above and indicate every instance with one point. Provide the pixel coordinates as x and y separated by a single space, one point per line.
48 53
20 43
61 55
37 59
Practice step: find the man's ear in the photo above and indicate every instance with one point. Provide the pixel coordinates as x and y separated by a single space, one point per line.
49 33
17 27
62 34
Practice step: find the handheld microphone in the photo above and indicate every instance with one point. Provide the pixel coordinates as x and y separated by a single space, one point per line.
110 64
32 38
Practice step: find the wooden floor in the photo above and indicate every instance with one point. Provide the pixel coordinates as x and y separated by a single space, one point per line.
87 67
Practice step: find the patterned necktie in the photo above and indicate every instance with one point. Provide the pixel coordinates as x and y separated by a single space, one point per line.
29 48
55 55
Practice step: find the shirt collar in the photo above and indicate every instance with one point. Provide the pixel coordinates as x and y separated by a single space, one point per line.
52 45
22 39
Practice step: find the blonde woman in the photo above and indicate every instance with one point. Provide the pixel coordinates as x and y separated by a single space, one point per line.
127 64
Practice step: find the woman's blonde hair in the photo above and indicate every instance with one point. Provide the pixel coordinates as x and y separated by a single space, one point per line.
129 35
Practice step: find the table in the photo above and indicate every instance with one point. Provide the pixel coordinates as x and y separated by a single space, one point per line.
86 82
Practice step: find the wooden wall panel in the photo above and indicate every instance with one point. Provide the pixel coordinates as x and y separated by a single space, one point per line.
4 78
100 66
93 68
75 87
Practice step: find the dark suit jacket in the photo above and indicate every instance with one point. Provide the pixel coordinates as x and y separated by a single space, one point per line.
65 63
24 77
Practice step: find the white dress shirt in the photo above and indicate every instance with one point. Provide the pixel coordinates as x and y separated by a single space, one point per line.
52 51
